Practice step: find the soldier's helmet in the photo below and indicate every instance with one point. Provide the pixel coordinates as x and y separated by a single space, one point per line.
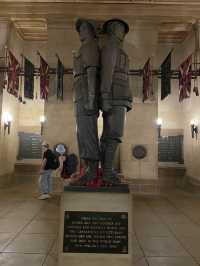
92 23
110 21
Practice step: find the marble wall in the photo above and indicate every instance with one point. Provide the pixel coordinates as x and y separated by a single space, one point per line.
9 143
177 116
141 129
25 117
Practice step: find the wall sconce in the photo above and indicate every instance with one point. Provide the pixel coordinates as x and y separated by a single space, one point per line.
159 126
194 128
7 119
42 120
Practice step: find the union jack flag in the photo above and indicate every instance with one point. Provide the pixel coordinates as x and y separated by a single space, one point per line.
13 75
44 78
147 81
185 77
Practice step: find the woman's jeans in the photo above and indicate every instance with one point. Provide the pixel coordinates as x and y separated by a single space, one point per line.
46 182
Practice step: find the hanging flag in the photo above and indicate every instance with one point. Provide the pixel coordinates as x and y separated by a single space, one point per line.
196 59
185 76
44 78
2 82
13 75
28 79
165 77
147 81
3 74
60 75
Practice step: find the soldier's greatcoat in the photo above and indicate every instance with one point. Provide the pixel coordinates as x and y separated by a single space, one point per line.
87 133
115 89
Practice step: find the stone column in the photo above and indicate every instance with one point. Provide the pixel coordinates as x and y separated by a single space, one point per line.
4 35
191 111
141 129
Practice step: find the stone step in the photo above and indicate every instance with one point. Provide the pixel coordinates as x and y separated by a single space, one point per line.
171 176
27 168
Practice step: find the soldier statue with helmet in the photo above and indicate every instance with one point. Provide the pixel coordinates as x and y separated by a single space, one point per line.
86 91
116 96
106 90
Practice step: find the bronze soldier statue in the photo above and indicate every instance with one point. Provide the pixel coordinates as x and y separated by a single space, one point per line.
116 97
86 73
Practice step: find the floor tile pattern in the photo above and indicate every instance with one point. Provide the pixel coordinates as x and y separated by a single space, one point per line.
166 229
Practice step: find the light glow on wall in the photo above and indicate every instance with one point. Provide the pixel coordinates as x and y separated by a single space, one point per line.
7 118
194 122
42 119
159 122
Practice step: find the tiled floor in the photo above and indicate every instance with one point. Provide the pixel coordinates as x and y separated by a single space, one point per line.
28 227
167 229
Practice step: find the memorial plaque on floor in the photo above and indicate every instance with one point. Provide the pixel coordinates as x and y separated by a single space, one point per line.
95 232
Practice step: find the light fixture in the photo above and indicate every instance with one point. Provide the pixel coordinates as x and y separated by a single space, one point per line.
7 119
159 126
194 128
42 120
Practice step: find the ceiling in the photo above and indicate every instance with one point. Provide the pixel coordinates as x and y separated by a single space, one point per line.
175 18
32 29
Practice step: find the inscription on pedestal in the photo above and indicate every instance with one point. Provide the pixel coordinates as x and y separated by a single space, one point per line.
95 232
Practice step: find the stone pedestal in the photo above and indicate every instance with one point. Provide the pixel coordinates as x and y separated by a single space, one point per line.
96 227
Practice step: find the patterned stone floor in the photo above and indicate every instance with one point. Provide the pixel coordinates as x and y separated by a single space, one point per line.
167 229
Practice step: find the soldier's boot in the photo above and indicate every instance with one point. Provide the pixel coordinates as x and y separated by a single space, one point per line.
108 174
90 172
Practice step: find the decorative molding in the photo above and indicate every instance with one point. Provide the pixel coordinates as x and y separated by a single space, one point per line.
139 151
147 156
125 10
172 19
146 24
144 2
5 20
61 23
31 29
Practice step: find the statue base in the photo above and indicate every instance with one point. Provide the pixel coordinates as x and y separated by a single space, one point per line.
96 226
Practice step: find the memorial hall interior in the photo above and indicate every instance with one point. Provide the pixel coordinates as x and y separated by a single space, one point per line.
165 191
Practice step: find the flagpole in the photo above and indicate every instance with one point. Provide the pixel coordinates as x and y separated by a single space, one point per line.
151 77
6 55
196 35
6 65
20 89
56 79
57 55
38 92
39 54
